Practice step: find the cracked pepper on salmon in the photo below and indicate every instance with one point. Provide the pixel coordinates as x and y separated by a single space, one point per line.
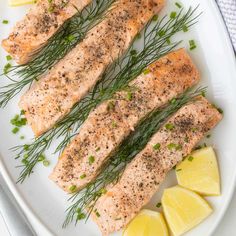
41 22
113 120
53 96
143 176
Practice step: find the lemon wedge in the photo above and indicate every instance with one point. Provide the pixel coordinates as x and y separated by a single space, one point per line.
199 172
147 223
183 209
15 3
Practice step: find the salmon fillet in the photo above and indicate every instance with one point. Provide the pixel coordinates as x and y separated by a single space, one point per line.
69 81
38 26
113 120
148 169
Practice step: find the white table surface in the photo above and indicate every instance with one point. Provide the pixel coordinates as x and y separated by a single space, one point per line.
227 225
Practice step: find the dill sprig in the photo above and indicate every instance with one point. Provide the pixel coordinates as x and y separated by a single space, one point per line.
68 36
86 199
116 77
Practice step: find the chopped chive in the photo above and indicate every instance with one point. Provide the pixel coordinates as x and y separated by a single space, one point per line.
70 38
82 176
46 163
114 124
41 158
158 205
129 95
173 15
185 28
203 93
157 146
169 126
173 101
72 188
178 5
192 44
190 158
91 160
26 147
22 137
97 213
161 33
102 191
5 22
8 57
97 149
26 155
155 18
168 41
177 147
7 67
194 129
178 169
146 71
186 139
15 130
25 161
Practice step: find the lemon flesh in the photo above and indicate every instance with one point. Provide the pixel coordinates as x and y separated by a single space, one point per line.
147 223
199 172
15 3
183 209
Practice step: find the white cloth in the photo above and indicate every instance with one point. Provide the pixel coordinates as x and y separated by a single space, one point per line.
228 10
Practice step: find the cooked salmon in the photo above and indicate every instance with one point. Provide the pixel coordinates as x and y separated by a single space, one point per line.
143 176
112 121
50 99
38 26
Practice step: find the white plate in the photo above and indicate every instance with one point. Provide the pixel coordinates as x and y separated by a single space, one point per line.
44 203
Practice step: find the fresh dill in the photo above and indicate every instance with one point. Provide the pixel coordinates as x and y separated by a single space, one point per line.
70 34
115 78
86 199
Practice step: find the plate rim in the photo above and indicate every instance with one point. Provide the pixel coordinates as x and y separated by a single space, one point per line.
40 226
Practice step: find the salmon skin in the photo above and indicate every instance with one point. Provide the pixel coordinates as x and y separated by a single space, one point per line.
50 99
41 22
143 176
113 120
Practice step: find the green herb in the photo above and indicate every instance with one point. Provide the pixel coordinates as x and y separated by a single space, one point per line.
72 188
111 106
83 176
190 158
127 151
173 14
91 160
157 146
111 82
8 57
161 33
220 110
185 28
168 41
158 205
41 158
46 163
169 126
186 139
5 21
178 170
6 68
175 146
129 96
178 5
155 18
146 71
97 149
18 121
192 44
15 130
138 36
97 213
208 136
22 137
194 129
203 94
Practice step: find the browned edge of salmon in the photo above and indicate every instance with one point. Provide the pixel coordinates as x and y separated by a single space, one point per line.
112 121
143 176
53 96
41 22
